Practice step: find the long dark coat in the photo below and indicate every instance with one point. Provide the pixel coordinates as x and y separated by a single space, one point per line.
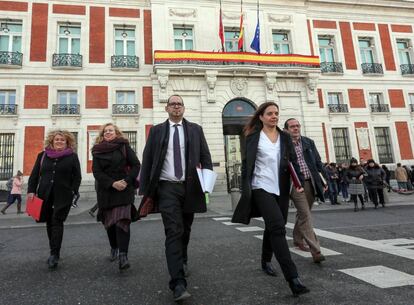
197 154
375 177
245 209
110 167
55 183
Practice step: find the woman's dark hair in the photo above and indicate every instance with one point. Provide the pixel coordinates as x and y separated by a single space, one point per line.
255 123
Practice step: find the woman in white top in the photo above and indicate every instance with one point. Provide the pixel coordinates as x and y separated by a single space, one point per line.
266 186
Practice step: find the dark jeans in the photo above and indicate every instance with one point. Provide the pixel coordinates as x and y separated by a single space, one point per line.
54 229
177 226
374 194
274 236
118 238
333 191
344 190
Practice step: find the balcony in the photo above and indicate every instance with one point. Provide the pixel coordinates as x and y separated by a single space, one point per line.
379 108
338 108
331 68
407 69
372 68
8 109
412 108
64 60
125 109
66 109
123 62
11 59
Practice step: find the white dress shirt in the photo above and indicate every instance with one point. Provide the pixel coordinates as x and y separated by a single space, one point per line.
167 172
266 170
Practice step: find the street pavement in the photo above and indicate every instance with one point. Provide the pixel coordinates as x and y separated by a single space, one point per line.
369 255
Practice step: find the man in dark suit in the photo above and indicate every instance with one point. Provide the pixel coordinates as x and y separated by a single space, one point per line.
170 185
310 166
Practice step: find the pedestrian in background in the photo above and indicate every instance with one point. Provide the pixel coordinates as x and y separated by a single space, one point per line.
355 176
409 185
55 178
332 174
15 193
387 176
375 182
343 182
115 167
266 187
402 177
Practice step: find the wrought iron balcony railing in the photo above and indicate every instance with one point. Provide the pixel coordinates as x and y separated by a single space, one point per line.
67 60
65 109
338 108
380 108
125 109
412 108
11 58
124 62
331 67
407 69
372 68
8 109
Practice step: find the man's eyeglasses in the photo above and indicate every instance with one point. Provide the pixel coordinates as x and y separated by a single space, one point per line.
175 105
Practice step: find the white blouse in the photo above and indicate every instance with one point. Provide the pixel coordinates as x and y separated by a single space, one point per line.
266 170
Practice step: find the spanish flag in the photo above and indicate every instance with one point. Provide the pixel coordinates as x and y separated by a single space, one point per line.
241 34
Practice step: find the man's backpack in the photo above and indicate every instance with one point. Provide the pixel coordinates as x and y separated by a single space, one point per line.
9 184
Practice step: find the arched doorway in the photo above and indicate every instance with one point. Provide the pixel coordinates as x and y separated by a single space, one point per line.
236 113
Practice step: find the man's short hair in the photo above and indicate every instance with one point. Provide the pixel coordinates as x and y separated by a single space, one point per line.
286 125
168 100
398 164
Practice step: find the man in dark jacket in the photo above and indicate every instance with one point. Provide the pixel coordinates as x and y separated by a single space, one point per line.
170 185
310 166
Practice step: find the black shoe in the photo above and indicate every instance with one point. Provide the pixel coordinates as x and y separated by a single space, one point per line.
91 213
52 262
180 293
185 270
363 207
297 287
123 261
267 268
114 255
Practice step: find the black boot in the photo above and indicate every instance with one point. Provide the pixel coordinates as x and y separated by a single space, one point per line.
355 207
114 255
297 287
53 262
3 211
19 208
268 268
123 261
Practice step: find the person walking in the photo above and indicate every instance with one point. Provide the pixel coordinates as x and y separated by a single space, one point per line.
342 181
15 193
375 182
333 177
354 176
55 178
401 177
387 176
266 187
311 167
169 184
115 167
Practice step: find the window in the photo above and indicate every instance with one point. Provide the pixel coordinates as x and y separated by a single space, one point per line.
7 97
132 138
67 97
382 136
366 49
11 36
6 155
231 38
404 52
411 101
376 99
334 98
125 97
69 39
326 49
281 44
341 145
183 38
125 41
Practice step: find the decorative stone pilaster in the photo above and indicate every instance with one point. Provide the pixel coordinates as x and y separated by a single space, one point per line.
163 76
211 79
270 82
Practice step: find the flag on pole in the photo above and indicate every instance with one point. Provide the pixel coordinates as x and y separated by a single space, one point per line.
241 34
221 30
255 45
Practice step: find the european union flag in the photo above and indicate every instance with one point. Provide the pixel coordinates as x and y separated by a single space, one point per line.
255 45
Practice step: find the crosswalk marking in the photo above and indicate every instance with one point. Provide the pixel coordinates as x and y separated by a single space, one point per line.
250 229
261 237
381 276
229 223
324 251
221 218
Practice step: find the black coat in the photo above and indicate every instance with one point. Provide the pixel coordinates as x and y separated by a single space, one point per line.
245 208
113 166
375 177
197 153
315 165
55 183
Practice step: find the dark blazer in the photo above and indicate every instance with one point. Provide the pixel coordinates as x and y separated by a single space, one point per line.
315 165
110 167
245 208
197 153
55 183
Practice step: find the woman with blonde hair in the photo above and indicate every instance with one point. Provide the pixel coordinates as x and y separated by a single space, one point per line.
15 193
115 168
55 177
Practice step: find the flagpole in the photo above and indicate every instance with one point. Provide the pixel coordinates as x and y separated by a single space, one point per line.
221 30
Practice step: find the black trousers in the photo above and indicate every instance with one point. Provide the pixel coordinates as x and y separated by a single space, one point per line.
374 194
54 229
177 227
118 238
274 236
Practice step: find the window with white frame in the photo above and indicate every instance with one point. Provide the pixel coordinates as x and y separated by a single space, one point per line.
335 98
69 39
342 147
183 38
67 97
367 51
376 98
384 147
7 97
411 98
11 36
281 43
231 39
326 48
404 51
125 41
125 97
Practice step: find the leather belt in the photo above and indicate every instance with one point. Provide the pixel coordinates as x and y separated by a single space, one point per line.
172 181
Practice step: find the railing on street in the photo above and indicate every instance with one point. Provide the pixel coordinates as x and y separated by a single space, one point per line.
11 58
124 62
65 109
67 60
